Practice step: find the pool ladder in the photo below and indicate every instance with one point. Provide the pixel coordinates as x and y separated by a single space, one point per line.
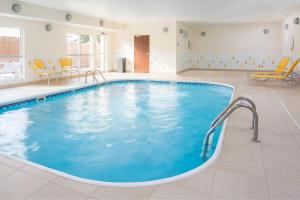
94 73
239 102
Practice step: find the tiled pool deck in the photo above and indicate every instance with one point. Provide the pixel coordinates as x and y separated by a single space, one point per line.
244 170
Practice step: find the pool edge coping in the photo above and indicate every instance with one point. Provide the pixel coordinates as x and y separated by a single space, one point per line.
198 169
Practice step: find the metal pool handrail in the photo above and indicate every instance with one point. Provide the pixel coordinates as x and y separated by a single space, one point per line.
225 114
93 73
86 75
230 105
101 74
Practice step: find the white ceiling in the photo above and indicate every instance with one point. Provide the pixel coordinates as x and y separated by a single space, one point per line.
208 11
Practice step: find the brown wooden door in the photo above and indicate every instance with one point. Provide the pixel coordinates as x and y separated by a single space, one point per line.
141 54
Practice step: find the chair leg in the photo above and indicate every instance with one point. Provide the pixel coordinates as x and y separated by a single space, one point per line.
48 79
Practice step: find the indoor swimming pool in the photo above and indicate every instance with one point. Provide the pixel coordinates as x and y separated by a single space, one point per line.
123 132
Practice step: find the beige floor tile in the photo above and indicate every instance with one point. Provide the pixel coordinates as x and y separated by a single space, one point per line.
274 127
201 182
279 190
297 139
174 192
246 159
283 153
282 171
238 186
237 140
91 198
284 140
123 193
11 162
5 171
19 185
83 188
54 191
39 173
294 129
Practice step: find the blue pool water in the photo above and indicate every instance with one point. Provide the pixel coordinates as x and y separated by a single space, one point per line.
127 131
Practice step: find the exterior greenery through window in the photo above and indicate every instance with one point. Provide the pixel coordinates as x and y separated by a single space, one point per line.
79 48
11 60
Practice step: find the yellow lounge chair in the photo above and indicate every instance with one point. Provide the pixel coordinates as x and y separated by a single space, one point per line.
279 70
41 69
282 76
66 65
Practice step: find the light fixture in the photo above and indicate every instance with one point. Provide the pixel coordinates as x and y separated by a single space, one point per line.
101 22
266 31
16 7
69 17
165 29
297 20
203 33
48 27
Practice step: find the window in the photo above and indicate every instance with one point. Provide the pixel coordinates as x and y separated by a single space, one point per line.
79 48
11 61
100 55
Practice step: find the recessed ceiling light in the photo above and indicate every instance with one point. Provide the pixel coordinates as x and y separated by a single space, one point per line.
48 27
266 31
69 17
165 29
16 7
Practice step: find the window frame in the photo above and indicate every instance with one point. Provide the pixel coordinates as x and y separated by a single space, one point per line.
79 55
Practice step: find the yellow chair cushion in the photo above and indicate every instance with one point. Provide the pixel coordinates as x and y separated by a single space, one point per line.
39 64
282 65
65 62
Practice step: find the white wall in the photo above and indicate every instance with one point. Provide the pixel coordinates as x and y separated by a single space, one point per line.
235 46
38 43
183 52
225 46
162 45
292 31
